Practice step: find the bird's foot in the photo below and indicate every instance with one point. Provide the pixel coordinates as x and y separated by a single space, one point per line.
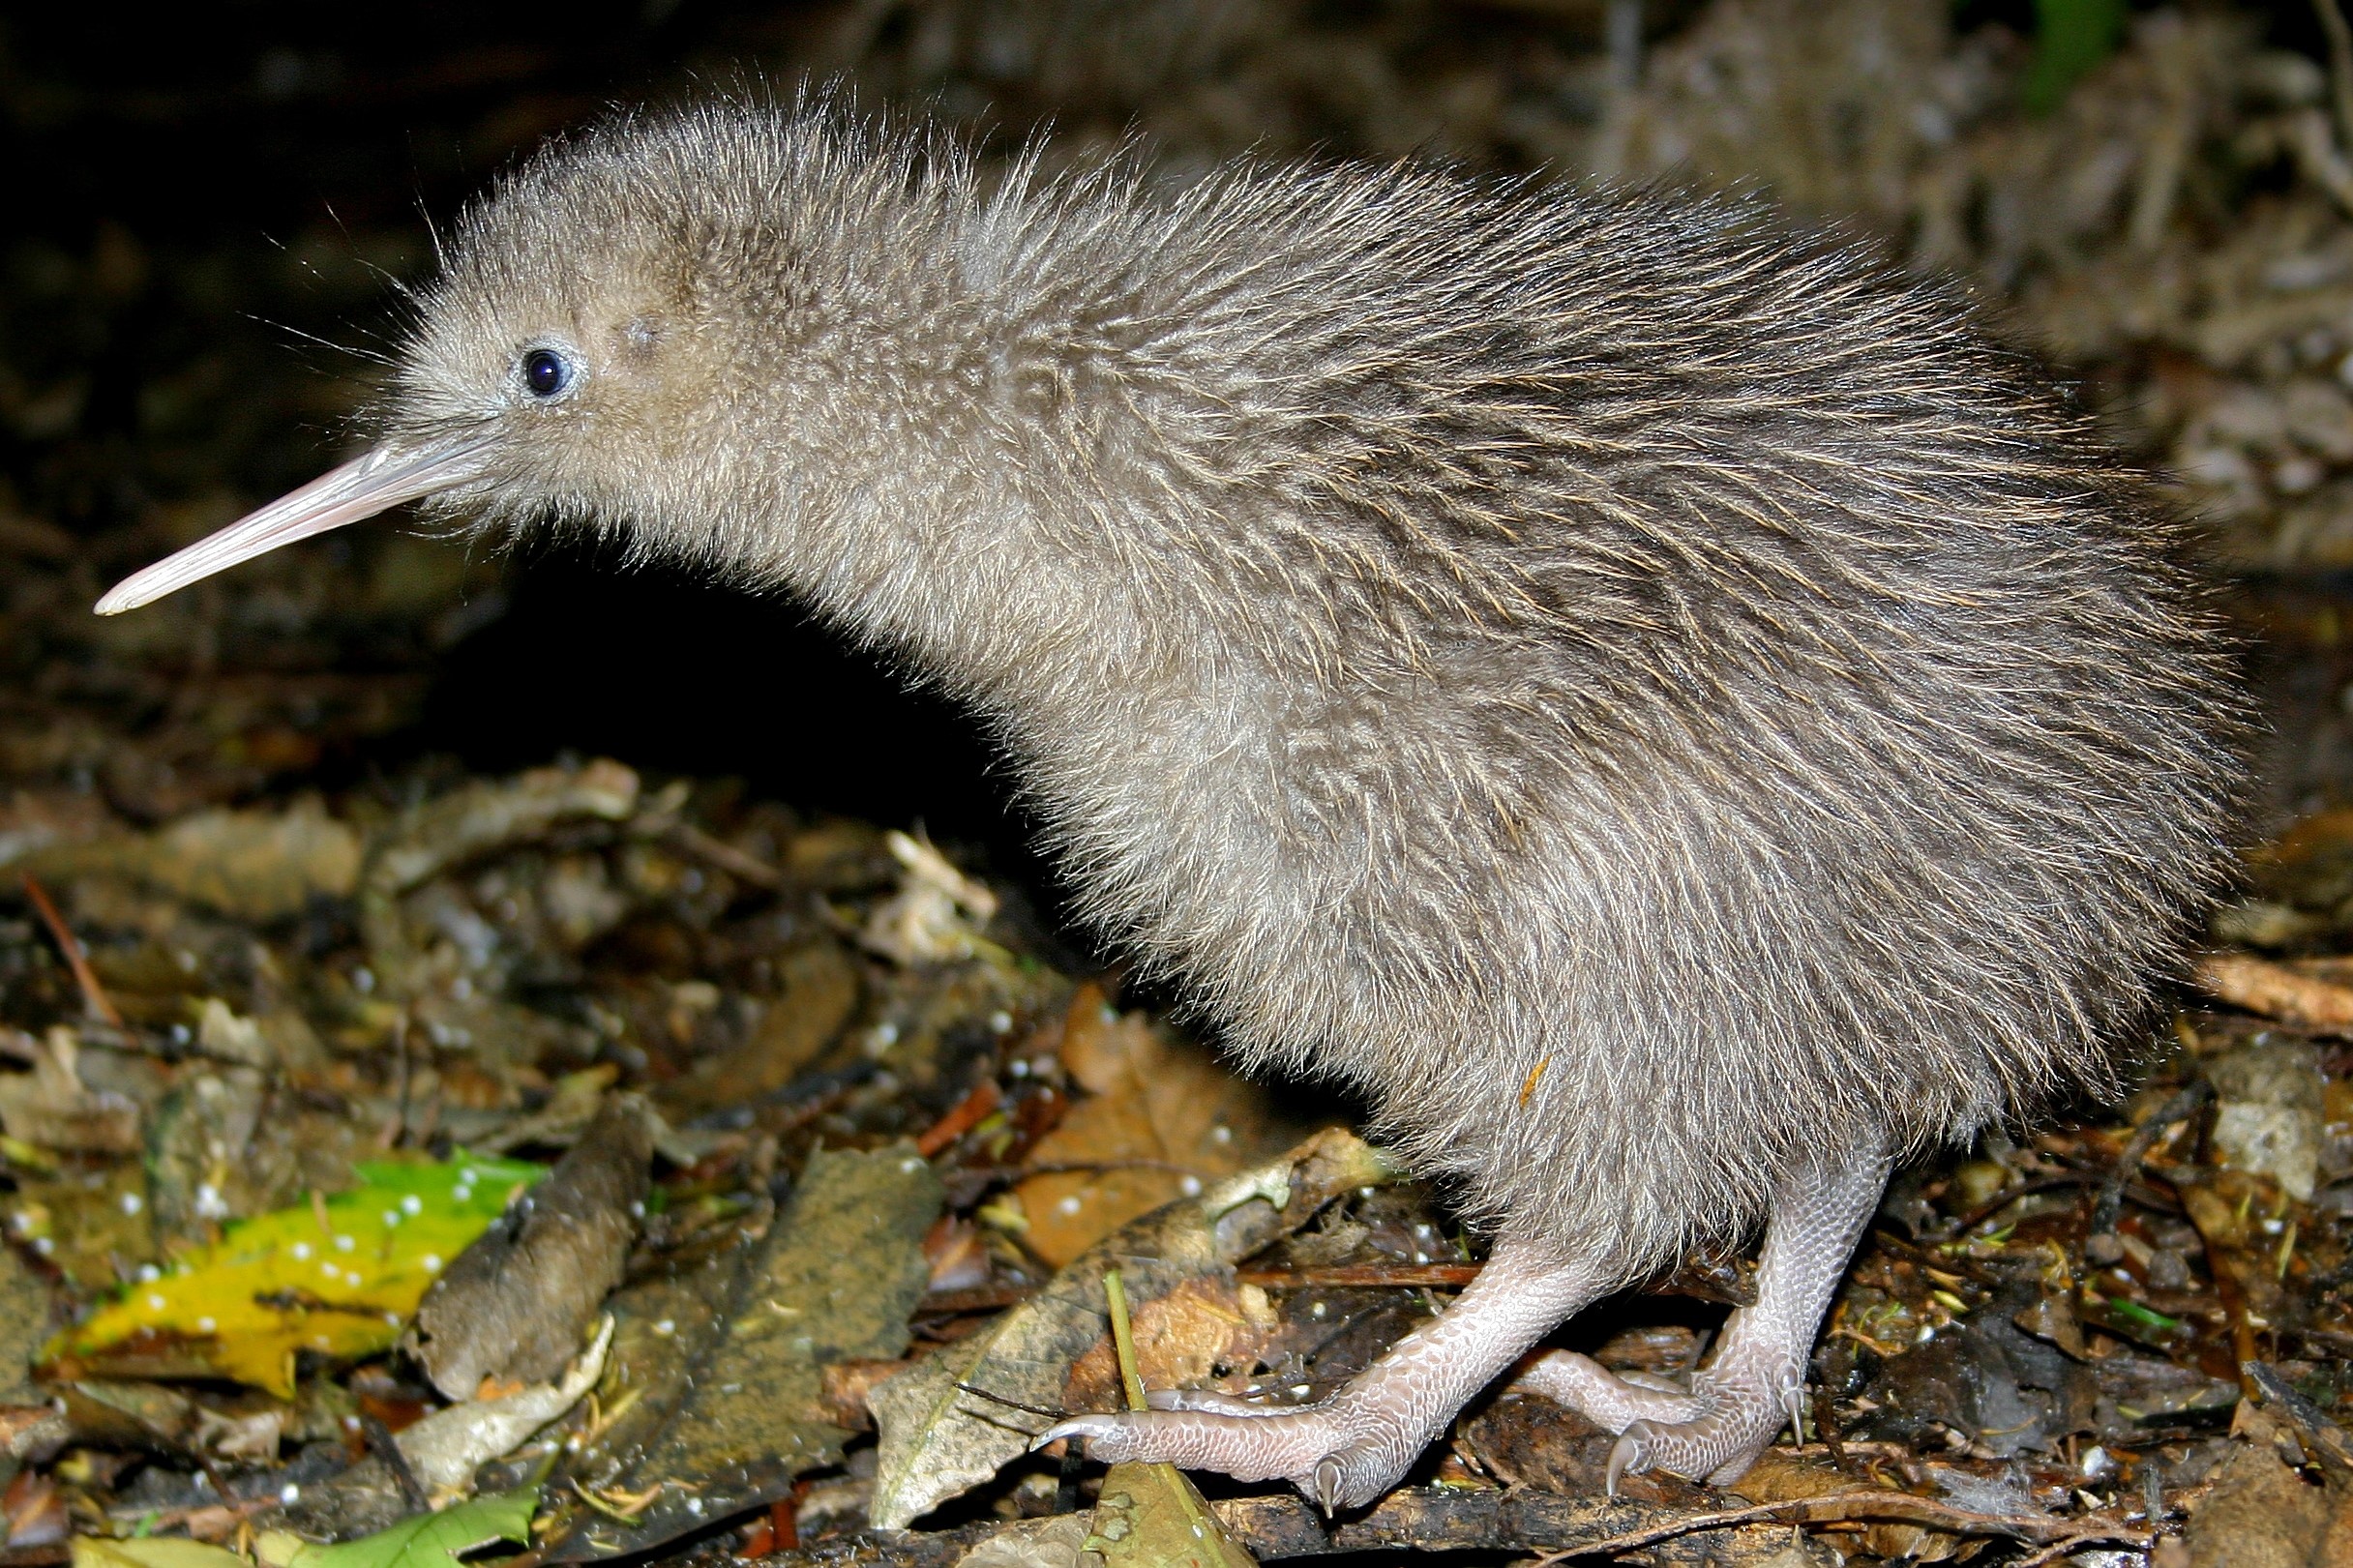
1347 1450
1711 1430
1736 1422
1338 1452
1755 1383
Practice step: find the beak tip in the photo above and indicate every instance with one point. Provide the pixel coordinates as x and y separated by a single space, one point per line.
368 483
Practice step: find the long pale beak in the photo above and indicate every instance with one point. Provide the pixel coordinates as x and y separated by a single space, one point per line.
376 480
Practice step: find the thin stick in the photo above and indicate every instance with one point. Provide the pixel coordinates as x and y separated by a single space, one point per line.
1362 1277
1122 1340
2109 1206
94 999
2341 65
1845 1506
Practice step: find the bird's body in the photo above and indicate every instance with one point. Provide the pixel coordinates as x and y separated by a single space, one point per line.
1657 702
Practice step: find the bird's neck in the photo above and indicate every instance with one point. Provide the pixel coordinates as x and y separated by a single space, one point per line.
950 471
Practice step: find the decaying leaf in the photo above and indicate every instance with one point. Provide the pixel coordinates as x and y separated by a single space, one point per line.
2260 1512
938 912
742 1412
937 1438
445 1448
1180 1338
1061 1542
1163 1118
51 1108
511 1306
820 993
337 1277
257 866
468 822
1149 1516
419 1540
151 1551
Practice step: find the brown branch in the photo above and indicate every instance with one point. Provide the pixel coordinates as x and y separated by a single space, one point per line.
2277 991
1363 1277
2333 25
1871 1507
94 999
725 856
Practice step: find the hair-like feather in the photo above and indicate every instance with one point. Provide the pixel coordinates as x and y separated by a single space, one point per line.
1647 695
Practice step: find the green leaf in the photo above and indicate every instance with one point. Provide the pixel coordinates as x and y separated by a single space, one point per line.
2071 38
433 1540
338 1276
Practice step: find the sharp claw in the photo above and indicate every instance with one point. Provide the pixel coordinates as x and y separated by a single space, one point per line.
1082 1427
1327 1486
1625 1457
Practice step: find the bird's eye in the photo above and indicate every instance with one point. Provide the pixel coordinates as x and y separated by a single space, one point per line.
545 373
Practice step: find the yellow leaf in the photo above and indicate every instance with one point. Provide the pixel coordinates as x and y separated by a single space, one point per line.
151 1551
337 1277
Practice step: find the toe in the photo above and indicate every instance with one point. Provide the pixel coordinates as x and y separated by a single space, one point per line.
1733 1425
1215 1404
1257 1447
1611 1400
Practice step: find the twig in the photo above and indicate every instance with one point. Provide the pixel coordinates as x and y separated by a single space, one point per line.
2057 1550
388 1449
2340 65
94 999
727 857
2111 1200
1362 1277
1844 1507
1012 1404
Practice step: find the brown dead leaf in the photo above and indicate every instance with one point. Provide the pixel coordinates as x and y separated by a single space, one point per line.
512 1307
2259 1513
943 1421
820 990
1163 1118
50 1107
845 1385
2277 991
1181 1340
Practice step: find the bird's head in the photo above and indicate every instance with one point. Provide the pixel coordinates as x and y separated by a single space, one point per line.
613 327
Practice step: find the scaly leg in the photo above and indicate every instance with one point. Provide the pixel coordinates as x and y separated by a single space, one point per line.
1346 1450
1756 1379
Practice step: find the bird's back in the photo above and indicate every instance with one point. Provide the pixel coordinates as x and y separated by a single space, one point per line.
1668 692
1647 693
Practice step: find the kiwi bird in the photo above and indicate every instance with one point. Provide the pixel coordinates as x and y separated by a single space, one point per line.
1655 700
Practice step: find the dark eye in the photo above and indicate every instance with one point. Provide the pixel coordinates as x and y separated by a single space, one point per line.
545 373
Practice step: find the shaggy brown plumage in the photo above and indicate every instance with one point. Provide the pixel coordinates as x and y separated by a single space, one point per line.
1655 700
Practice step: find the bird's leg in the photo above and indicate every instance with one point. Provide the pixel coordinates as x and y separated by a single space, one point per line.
1755 1383
1346 1450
